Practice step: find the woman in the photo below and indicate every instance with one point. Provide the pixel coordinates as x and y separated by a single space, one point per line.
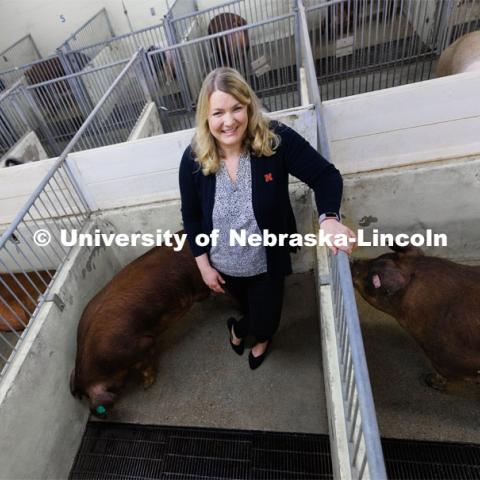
235 176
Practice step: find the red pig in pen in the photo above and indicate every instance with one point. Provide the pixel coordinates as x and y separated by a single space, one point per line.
119 330
435 300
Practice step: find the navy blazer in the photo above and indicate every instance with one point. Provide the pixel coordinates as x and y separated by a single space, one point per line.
270 197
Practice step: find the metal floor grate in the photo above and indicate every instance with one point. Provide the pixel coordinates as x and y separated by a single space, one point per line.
124 451
133 452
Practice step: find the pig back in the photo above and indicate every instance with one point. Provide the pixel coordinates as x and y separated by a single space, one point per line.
461 56
120 322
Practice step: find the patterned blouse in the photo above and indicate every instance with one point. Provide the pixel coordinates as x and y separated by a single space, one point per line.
233 210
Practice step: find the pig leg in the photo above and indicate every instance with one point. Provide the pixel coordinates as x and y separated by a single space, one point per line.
436 381
147 370
147 367
149 374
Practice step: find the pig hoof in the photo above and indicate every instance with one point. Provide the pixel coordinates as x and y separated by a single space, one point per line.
148 378
436 381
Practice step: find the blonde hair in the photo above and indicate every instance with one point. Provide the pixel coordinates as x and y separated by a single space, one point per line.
259 139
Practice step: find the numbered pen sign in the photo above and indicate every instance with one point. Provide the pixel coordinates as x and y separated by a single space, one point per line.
63 19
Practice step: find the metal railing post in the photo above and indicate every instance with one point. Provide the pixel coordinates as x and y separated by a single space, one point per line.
298 46
444 25
184 88
109 23
70 65
142 72
314 93
38 117
37 51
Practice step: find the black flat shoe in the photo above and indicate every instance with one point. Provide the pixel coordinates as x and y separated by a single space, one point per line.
255 362
238 349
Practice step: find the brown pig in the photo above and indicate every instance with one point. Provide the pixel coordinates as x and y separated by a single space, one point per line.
461 56
119 329
19 294
435 300
230 49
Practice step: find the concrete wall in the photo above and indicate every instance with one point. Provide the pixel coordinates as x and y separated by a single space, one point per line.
443 198
148 125
41 423
27 149
413 124
410 157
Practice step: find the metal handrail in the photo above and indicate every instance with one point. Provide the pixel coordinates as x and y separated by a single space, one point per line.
222 34
324 147
373 447
116 38
28 65
76 75
205 10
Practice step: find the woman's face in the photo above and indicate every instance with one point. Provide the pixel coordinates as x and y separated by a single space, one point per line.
227 120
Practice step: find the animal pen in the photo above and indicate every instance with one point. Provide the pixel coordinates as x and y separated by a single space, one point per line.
294 59
34 70
21 52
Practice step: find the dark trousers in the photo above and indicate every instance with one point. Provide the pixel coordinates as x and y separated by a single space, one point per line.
260 298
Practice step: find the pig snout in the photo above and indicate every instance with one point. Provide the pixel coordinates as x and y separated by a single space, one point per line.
101 400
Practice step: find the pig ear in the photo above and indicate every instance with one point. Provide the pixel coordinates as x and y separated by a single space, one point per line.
391 279
409 250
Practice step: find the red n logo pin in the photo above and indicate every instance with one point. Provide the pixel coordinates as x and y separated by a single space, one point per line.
268 177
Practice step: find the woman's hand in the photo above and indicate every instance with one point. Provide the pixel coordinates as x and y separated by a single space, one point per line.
338 231
213 280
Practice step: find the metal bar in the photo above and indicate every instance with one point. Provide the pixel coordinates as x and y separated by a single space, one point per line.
43 126
206 10
314 93
365 398
182 79
23 68
78 74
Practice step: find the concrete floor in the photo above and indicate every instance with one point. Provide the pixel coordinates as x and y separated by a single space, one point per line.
202 382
